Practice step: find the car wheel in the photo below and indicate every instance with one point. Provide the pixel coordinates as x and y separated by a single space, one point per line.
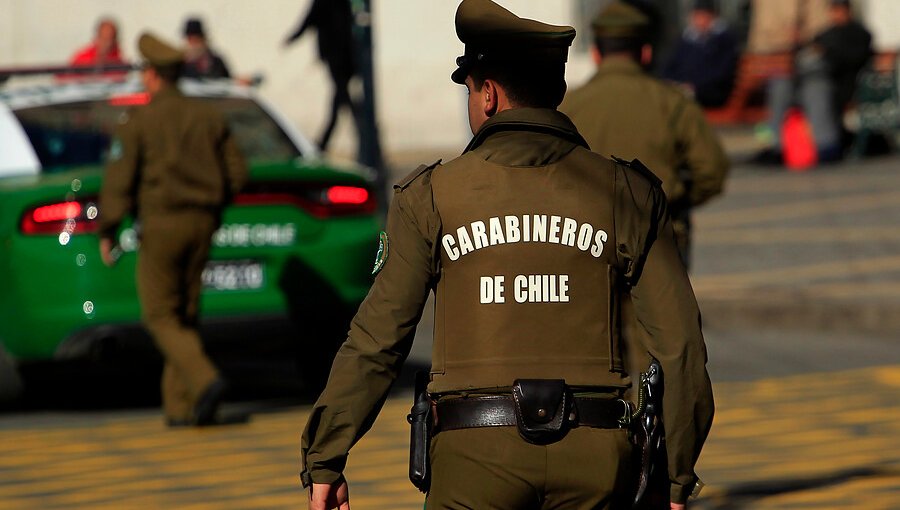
10 382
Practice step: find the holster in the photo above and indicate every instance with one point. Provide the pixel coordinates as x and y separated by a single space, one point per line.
541 409
653 480
420 420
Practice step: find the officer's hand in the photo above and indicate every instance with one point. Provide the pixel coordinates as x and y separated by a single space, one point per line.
106 252
326 496
677 506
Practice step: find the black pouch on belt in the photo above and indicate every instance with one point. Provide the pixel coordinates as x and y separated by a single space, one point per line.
541 409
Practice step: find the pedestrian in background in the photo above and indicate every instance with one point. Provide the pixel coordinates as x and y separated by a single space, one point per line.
333 23
175 164
623 111
102 51
200 61
524 240
705 58
846 46
821 81
779 26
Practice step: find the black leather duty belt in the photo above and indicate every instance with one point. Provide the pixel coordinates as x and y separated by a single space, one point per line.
499 411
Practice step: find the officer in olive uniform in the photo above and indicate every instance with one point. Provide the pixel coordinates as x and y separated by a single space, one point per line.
625 112
528 241
174 163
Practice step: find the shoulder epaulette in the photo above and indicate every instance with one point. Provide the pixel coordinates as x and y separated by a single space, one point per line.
635 164
406 181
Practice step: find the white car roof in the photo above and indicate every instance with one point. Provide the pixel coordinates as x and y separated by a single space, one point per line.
17 157
73 90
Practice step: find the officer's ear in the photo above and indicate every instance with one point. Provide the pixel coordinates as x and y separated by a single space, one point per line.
646 54
490 96
596 55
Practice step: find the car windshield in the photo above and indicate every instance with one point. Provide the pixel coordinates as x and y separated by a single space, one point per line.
75 134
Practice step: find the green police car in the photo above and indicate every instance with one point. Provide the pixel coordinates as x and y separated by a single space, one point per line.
290 263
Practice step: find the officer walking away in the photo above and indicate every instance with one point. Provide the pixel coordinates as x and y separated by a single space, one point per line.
622 110
524 239
176 164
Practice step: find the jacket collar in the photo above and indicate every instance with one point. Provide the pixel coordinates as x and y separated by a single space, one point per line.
166 92
540 120
618 65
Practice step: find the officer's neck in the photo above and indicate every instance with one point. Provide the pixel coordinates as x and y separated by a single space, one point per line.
644 59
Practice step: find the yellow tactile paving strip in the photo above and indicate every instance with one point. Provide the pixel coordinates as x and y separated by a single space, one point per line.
811 441
136 463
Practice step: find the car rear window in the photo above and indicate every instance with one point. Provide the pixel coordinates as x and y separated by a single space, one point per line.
75 134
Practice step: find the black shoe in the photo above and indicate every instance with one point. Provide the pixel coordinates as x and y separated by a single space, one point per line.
206 407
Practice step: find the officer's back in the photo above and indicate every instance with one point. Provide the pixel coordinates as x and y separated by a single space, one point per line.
182 140
528 240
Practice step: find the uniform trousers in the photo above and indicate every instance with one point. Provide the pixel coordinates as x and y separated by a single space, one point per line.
174 249
494 468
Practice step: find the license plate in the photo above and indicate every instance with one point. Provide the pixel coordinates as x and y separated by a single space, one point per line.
233 275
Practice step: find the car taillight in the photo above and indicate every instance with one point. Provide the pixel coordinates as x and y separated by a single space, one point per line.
347 195
320 201
63 217
137 99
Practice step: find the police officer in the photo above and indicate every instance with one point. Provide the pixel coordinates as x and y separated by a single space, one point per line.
625 112
174 163
527 240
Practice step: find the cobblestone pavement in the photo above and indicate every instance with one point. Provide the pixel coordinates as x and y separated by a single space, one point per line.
810 441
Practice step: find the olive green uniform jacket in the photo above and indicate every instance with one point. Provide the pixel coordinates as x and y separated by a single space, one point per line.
173 154
527 240
625 112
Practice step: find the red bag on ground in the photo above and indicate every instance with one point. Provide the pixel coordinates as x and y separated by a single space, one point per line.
797 143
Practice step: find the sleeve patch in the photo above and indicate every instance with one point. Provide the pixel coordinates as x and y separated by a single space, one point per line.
383 252
115 150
